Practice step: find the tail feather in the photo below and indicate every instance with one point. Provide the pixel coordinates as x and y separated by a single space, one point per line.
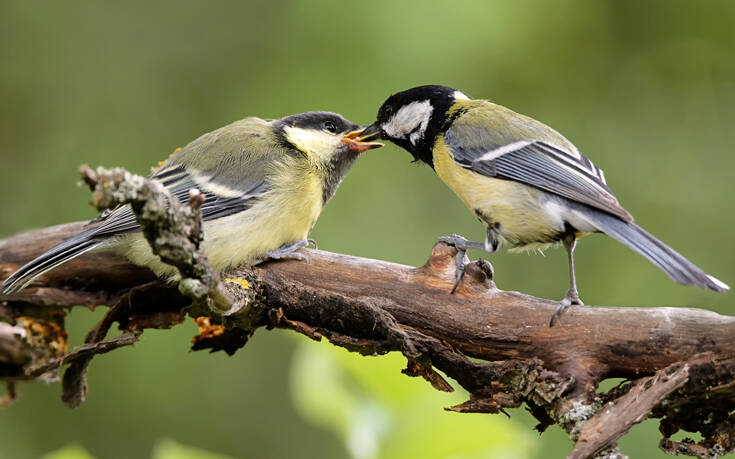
678 268
65 251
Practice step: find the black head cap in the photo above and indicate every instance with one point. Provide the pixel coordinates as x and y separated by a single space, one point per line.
413 118
326 121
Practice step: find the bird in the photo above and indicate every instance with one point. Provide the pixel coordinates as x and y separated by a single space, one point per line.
265 182
528 185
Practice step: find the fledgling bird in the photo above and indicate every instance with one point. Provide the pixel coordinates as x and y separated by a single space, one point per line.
265 184
524 181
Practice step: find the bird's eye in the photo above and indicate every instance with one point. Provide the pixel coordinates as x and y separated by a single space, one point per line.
329 126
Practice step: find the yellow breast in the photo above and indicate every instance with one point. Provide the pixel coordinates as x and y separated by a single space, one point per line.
283 215
515 207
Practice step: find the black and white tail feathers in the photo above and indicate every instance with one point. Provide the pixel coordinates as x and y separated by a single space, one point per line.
65 251
678 268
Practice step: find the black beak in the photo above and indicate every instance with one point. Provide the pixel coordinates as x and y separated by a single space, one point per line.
371 132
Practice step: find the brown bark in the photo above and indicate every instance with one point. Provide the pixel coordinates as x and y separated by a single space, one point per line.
674 356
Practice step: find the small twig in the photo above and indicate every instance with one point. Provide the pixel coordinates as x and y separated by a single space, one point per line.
84 351
10 394
174 232
172 228
74 382
99 331
74 386
617 417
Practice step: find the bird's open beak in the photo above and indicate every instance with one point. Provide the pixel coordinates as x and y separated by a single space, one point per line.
359 140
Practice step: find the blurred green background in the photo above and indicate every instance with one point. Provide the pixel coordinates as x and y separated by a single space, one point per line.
646 89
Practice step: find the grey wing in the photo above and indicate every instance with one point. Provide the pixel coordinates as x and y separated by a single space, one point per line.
231 164
234 199
179 181
540 164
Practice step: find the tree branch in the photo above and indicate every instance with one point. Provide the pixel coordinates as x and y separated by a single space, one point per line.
616 417
681 362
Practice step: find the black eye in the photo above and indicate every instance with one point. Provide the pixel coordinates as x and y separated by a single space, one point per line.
330 127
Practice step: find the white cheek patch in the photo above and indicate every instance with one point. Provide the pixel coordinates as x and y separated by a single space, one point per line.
411 120
320 144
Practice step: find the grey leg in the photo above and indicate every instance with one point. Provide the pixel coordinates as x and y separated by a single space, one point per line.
572 296
289 252
462 245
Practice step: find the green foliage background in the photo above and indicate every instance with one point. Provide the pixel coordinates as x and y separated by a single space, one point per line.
646 89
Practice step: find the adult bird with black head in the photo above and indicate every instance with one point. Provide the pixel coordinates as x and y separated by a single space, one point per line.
528 185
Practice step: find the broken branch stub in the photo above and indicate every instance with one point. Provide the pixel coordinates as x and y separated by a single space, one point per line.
173 229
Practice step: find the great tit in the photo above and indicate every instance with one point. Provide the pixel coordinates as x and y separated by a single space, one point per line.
524 181
265 184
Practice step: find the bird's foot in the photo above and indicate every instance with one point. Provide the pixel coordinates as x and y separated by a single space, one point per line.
570 299
462 245
290 252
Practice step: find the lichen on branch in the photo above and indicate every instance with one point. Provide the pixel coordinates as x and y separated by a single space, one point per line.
173 229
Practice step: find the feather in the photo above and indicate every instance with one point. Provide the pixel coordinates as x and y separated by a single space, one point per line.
678 268
540 164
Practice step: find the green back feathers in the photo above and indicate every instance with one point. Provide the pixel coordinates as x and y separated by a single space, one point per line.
483 124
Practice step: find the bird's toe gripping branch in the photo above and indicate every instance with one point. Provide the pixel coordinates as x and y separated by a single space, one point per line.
290 251
449 261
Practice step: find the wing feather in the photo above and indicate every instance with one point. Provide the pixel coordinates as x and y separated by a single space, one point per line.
538 163
178 180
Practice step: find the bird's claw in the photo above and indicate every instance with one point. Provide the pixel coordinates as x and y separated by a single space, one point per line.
570 299
461 260
290 256
559 310
462 244
290 252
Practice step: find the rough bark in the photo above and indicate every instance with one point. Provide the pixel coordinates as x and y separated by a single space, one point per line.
680 362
